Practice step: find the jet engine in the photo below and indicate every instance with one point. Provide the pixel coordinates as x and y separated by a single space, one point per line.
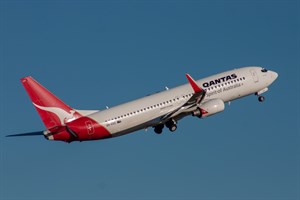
209 108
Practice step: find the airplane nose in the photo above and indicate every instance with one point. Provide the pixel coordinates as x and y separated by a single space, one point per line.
274 75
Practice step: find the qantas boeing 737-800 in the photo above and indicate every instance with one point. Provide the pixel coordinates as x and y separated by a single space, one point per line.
200 98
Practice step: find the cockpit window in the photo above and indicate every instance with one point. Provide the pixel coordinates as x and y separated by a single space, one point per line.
264 70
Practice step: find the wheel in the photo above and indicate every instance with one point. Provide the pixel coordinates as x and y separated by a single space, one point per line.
261 98
173 128
158 129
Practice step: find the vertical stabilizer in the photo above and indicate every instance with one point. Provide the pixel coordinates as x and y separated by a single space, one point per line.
52 110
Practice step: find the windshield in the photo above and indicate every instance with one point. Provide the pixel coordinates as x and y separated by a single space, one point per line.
264 70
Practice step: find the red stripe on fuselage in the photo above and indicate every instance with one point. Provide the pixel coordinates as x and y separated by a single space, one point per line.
88 129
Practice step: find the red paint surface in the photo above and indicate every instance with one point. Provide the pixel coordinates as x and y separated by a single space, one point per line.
88 129
204 112
85 129
63 136
43 97
193 83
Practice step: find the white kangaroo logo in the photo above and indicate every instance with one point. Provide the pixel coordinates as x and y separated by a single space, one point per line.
63 115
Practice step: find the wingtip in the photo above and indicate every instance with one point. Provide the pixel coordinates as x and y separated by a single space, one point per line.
193 83
24 79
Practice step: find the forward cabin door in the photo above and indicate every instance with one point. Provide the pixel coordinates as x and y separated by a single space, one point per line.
254 75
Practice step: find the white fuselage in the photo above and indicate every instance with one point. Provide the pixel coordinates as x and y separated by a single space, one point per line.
144 112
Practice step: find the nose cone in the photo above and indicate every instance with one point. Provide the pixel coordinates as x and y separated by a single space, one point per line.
274 75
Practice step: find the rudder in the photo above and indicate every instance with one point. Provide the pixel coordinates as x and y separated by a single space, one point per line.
53 112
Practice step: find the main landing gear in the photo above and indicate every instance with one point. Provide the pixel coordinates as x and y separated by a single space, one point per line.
171 125
158 129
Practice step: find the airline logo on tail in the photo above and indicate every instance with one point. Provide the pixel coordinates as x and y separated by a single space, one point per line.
63 115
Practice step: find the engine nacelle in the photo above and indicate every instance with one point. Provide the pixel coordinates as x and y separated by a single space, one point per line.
211 107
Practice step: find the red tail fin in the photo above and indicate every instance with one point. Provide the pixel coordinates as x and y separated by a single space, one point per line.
51 109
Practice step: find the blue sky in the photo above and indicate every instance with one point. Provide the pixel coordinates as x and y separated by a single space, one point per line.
97 53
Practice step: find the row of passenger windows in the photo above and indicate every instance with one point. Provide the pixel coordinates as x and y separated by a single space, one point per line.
170 101
149 108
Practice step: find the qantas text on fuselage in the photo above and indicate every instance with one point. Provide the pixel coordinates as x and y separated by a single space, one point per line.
219 80
200 98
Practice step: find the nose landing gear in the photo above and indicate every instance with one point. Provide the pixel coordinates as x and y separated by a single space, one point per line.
261 98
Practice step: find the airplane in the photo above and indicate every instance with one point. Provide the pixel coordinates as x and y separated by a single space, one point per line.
200 98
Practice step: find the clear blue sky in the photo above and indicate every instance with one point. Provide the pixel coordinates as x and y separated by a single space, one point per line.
97 53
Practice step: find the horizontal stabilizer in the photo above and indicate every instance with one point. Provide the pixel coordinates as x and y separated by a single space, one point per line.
27 134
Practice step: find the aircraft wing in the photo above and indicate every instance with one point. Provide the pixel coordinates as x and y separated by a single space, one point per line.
193 101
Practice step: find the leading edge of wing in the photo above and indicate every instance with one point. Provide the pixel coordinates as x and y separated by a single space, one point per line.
196 99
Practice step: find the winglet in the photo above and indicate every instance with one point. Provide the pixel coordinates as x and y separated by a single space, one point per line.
193 83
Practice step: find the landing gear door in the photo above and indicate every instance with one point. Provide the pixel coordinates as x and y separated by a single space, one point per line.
254 75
